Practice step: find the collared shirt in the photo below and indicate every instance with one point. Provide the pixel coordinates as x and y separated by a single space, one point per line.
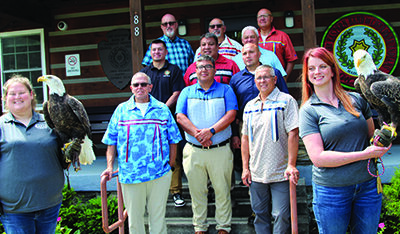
229 48
279 43
225 69
180 53
205 108
142 142
267 125
165 81
267 57
245 88
340 131
31 177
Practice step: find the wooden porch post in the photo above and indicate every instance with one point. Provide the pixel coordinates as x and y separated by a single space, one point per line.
309 34
135 9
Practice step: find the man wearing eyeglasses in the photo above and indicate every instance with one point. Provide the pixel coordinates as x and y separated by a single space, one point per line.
143 134
225 68
270 136
205 111
180 51
228 47
275 40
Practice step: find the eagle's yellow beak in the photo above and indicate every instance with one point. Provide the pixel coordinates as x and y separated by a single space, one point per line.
358 62
42 79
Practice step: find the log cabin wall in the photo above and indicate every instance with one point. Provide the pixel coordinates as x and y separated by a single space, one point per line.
89 21
88 25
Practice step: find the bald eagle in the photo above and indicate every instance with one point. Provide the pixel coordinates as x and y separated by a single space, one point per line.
67 116
380 89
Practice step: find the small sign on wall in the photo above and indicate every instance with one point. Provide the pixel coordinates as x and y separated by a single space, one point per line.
72 65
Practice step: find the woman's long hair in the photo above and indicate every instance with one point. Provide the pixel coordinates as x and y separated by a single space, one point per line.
308 88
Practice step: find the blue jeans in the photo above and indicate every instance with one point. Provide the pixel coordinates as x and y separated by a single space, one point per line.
271 200
38 222
358 205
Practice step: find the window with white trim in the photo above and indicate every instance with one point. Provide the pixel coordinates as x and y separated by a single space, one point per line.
23 53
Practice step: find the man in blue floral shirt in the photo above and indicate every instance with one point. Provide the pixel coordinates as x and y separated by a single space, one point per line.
144 134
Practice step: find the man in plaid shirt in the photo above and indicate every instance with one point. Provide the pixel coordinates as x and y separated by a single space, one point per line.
180 52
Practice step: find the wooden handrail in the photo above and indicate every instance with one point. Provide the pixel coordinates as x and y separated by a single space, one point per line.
122 214
293 207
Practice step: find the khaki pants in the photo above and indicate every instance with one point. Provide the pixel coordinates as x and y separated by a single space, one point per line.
215 163
176 180
154 195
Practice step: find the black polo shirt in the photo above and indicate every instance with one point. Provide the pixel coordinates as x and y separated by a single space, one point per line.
165 81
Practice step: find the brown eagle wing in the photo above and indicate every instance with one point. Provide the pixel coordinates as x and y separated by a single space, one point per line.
80 112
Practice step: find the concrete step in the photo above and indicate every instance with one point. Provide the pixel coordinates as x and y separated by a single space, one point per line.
241 208
184 226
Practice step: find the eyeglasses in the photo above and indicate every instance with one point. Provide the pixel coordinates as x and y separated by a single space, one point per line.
264 78
263 16
141 84
215 25
205 67
171 23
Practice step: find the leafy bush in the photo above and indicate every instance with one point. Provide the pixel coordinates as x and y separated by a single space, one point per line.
391 204
86 216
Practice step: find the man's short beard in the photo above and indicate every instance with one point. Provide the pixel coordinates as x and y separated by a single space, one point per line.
170 33
218 34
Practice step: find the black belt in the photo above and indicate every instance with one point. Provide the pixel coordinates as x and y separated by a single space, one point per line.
211 146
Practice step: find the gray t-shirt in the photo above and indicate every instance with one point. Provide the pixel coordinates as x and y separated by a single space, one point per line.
340 131
31 177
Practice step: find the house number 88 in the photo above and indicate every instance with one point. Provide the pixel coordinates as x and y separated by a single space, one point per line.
136 21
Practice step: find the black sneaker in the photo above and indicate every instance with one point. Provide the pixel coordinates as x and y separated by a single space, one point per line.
250 220
178 200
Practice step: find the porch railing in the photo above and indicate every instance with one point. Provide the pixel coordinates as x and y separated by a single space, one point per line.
122 214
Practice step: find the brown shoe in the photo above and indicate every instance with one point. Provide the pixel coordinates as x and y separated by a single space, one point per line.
201 232
222 231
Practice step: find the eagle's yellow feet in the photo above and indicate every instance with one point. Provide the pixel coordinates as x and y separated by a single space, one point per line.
71 153
384 136
392 129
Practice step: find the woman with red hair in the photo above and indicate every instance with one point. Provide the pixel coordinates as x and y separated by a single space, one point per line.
336 126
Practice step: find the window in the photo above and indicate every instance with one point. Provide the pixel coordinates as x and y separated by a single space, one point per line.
22 52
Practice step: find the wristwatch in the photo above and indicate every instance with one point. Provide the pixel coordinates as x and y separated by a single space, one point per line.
212 130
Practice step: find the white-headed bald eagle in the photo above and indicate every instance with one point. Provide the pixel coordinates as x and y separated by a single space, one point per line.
380 89
68 117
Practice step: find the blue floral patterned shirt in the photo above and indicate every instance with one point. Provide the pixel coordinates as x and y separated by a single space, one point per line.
142 142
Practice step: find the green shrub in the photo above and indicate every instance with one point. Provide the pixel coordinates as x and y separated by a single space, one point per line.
86 216
391 204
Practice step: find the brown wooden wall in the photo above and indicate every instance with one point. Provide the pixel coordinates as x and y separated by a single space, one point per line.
89 21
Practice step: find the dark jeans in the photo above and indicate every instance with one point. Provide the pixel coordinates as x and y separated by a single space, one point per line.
38 222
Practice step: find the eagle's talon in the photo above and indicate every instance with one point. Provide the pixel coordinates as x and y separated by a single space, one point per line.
384 136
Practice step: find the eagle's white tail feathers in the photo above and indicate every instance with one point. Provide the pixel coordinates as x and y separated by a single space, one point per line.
87 155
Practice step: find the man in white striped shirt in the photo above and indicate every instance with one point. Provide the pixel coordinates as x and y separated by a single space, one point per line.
270 137
228 47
